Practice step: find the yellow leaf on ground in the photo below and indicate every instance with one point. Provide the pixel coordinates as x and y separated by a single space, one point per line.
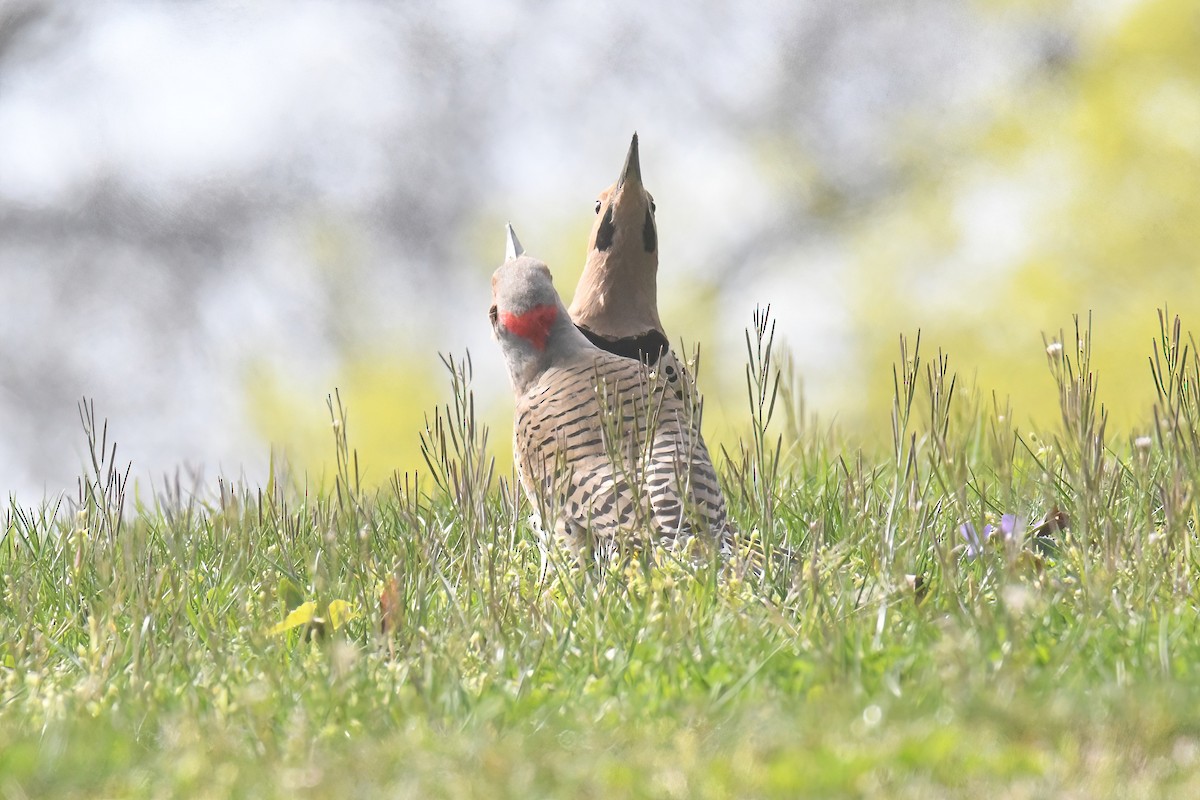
301 615
341 612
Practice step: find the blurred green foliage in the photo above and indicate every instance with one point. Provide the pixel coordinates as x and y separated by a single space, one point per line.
1074 195
389 395
1079 194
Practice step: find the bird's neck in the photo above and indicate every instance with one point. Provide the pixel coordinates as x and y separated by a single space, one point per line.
528 358
618 297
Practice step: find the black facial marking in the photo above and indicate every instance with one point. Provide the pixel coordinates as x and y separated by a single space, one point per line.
604 236
649 234
646 348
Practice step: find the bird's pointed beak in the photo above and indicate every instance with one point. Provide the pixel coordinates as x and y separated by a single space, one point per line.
632 171
512 245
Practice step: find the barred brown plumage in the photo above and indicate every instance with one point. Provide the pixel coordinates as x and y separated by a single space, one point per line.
614 453
608 453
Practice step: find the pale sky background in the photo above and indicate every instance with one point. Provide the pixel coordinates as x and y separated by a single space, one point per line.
198 197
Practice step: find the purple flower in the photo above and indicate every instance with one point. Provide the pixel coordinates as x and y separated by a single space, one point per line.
1010 527
974 541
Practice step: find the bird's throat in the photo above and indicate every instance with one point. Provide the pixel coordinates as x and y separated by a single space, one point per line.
533 325
617 297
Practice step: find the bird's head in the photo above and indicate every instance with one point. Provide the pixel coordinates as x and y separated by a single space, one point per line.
618 291
625 225
528 317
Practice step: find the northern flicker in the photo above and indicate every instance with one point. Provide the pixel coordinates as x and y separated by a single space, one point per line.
606 450
616 301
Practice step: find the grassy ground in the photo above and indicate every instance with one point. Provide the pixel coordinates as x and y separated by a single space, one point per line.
233 647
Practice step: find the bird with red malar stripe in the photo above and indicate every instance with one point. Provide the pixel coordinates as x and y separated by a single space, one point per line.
608 454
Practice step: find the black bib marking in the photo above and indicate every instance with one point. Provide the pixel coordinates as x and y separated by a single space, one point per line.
646 348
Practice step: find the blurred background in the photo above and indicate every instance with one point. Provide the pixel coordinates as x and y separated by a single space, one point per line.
214 213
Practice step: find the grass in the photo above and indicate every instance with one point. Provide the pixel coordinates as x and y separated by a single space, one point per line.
401 641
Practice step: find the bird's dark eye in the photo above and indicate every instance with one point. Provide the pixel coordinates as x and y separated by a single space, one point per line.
493 314
597 206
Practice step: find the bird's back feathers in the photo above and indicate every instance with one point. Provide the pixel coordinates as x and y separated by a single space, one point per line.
612 453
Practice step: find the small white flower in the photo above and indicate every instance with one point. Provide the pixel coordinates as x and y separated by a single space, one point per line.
1143 442
1054 348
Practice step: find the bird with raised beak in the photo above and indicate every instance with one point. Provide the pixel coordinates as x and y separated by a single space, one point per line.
608 455
616 301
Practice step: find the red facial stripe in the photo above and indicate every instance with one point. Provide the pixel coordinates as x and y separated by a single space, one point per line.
533 325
